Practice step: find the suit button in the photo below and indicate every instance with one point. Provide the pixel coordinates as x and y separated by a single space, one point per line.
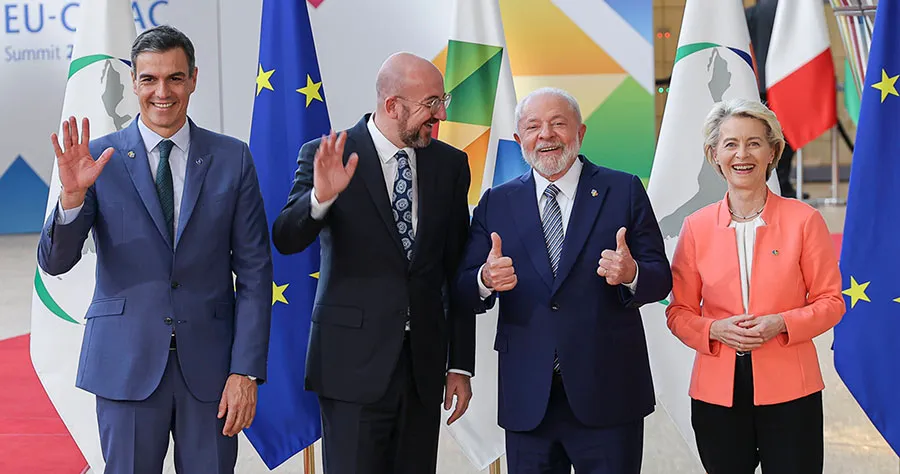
175 284
168 321
554 307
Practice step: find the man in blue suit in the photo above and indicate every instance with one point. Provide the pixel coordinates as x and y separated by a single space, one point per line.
572 250
172 343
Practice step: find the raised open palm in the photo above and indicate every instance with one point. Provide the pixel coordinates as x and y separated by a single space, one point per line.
77 168
330 176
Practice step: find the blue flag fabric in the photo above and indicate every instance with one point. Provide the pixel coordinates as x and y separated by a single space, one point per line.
288 111
866 339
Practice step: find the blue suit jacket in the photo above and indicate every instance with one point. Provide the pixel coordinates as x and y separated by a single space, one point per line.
146 286
595 327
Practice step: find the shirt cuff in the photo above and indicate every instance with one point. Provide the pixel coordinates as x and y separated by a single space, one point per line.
633 285
318 209
64 217
461 372
483 290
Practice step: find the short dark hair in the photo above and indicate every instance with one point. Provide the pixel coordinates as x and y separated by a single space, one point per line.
160 39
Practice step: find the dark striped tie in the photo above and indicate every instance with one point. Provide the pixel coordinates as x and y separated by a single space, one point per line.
164 188
551 221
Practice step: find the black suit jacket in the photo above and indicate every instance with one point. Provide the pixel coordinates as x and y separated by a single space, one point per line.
366 284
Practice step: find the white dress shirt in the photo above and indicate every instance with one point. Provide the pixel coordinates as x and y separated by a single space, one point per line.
568 186
386 151
745 233
177 163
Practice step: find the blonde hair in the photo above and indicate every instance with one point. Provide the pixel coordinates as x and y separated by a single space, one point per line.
741 108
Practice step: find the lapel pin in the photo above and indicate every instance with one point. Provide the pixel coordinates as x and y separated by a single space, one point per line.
594 192
199 161
131 154
775 252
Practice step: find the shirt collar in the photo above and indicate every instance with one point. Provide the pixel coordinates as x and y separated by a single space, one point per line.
386 150
567 184
181 138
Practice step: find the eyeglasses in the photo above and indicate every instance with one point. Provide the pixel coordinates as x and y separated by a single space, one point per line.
434 104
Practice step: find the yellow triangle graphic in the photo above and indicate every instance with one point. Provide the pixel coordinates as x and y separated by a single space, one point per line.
459 134
589 90
541 39
440 61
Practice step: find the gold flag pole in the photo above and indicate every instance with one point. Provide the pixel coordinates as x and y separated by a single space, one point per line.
309 460
495 467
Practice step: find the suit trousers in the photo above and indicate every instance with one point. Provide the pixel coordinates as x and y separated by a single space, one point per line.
134 435
398 434
786 438
560 442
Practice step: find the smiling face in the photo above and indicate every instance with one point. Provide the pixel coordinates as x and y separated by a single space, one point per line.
413 91
415 121
164 83
550 134
743 153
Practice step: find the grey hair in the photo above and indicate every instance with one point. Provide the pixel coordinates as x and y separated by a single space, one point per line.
550 91
741 108
160 39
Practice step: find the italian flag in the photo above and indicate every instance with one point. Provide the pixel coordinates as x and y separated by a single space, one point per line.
800 79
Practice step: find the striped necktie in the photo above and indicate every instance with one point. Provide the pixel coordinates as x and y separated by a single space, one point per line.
551 221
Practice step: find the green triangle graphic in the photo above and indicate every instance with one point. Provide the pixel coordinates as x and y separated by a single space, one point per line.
465 58
621 132
473 99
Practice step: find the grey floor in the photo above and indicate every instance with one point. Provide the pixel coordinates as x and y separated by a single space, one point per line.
852 445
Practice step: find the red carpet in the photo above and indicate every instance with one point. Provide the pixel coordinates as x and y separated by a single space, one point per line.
33 440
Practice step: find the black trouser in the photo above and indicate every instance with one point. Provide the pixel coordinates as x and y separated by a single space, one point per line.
785 437
398 434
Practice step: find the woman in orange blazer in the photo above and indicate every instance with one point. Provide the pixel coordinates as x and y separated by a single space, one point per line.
756 278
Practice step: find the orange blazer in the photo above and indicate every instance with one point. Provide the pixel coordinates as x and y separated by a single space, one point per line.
795 273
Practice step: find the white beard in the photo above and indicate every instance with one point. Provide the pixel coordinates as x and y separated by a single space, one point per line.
551 166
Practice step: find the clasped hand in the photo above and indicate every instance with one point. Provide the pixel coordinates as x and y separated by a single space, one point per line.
745 332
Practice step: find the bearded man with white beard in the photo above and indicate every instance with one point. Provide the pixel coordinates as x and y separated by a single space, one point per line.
571 250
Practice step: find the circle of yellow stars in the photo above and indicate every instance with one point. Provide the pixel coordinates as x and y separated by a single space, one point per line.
312 90
857 291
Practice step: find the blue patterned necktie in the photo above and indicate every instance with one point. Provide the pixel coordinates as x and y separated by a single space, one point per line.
402 203
551 221
164 187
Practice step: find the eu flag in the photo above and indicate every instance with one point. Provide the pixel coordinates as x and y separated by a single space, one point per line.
866 340
289 110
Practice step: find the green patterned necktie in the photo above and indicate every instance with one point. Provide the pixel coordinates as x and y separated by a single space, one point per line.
164 185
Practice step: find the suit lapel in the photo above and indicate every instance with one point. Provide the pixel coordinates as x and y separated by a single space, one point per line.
198 163
523 206
588 200
138 166
369 169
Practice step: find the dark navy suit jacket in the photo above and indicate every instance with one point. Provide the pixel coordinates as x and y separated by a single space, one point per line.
596 328
146 286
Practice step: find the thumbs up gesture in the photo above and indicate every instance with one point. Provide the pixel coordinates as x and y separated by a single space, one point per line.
498 273
617 266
